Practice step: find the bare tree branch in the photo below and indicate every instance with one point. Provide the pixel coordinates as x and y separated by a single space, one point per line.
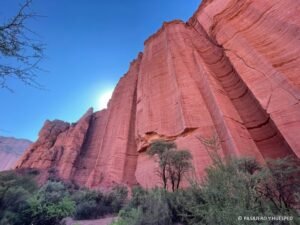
20 54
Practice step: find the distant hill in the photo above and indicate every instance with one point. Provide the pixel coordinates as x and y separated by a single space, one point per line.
11 150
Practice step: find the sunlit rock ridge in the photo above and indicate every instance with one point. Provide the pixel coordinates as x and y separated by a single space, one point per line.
232 69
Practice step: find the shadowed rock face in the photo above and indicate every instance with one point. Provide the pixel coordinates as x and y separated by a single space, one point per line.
11 149
232 69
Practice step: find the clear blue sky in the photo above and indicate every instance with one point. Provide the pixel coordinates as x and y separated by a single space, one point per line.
89 45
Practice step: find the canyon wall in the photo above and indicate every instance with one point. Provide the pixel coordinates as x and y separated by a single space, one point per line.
231 70
11 149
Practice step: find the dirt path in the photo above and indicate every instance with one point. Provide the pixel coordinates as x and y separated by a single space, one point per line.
104 221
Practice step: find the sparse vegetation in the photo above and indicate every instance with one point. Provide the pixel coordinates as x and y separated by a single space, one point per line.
240 187
22 202
232 189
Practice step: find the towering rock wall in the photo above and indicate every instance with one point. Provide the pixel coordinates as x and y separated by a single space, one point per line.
232 69
261 39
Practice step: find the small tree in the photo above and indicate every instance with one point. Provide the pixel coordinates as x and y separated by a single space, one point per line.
179 164
161 148
173 163
280 183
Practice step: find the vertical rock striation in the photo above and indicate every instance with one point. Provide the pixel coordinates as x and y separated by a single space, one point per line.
109 155
232 69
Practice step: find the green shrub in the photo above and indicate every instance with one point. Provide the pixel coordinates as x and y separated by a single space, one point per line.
94 204
147 208
138 197
230 191
14 192
90 204
86 210
50 204
117 198
22 203
280 183
155 209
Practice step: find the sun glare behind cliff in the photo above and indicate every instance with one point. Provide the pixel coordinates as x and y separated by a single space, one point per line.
104 99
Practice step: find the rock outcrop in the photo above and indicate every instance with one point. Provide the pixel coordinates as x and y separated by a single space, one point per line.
232 69
11 149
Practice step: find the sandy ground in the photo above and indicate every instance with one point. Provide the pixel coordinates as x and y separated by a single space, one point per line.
105 221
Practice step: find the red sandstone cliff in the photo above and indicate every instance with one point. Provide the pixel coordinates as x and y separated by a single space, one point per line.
11 149
233 69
